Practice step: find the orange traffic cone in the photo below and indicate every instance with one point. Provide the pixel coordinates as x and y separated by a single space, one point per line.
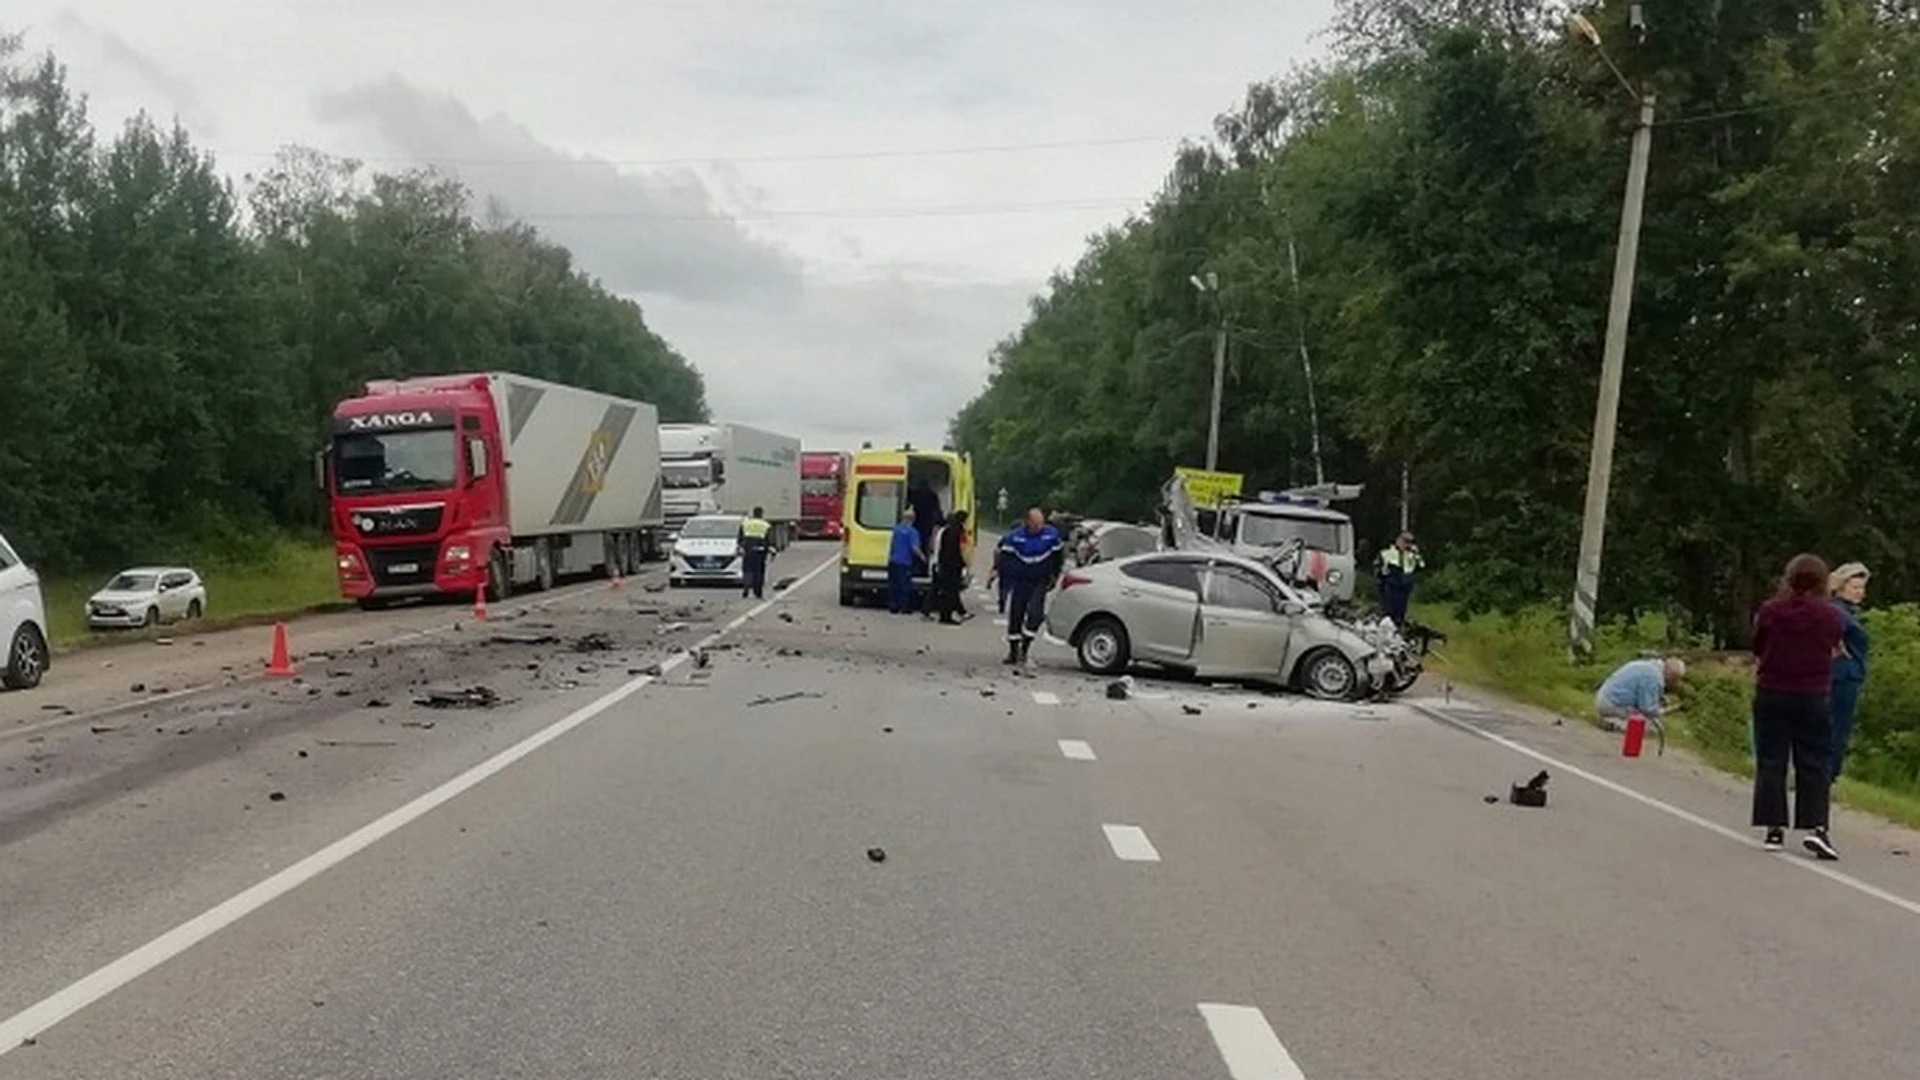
480 604
280 664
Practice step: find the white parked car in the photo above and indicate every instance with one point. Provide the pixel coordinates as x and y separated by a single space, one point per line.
23 623
147 596
707 551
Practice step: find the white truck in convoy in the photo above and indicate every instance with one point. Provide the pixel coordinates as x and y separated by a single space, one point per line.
731 469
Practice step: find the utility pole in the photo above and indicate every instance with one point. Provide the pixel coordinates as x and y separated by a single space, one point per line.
1593 525
1210 285
1219 384
1306 359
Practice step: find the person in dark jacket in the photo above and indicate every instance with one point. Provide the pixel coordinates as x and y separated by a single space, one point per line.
949 567
1035 555
1849 586
1795 639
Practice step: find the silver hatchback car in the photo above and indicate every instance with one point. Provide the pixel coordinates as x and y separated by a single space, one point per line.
1223 616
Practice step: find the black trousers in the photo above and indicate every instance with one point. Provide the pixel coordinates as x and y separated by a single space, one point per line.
755 566
1796 729
946 596
1026 609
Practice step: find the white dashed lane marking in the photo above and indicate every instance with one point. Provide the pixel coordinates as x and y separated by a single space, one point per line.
1130 843
1076 750
1248 1045
1045 697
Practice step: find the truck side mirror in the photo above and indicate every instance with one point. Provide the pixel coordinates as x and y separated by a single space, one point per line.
320 470
719 470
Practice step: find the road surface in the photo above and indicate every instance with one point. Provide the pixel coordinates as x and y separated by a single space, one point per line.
622 874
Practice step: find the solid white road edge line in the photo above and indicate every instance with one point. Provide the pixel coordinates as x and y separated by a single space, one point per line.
1130 843
1909 906
1248 1045
1045 697
34 1020
1076 750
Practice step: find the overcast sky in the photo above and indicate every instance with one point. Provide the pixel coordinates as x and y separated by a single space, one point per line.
834 208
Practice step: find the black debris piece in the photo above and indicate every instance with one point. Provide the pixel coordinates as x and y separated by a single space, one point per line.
1117 690
302 753
700 658
586 669
988 691
100 730
656 587
137 688
786 616
654 670
343 692
378 703
473 697
777 699
875 854
594 642
276 796
55 708
1492 800
1190 710
361 744
784 584
1532 793
886 730
424 725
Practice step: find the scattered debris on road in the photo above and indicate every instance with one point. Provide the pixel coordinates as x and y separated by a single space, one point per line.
1533 793
886 731
1492 800
163 641
875 854
657 587
358 744
99 729
700 658
137 688
302 753
424 725
777 699
473 697
988 691
1190 710
1120 689
524 637
379 703
276 796
597 641
786 616
784 584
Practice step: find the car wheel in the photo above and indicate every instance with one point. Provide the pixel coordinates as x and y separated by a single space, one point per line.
194 609
153 618
1328 675
26 659
1104 647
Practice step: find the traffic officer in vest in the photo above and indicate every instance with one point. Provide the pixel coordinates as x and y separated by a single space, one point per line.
1399 565
1034 555
754 551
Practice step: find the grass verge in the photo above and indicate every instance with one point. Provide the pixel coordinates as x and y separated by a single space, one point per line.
1524 657
293 576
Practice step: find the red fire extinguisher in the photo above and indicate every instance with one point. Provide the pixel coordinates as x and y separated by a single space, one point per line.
1636 736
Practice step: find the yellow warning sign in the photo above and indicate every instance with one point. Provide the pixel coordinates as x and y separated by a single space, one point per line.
1209 489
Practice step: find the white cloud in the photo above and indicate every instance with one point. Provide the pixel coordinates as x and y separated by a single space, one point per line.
713 157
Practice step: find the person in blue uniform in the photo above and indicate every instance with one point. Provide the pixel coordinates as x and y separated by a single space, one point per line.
903 551
1034 555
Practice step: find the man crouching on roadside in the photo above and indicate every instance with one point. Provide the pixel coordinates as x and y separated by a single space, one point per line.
1638 687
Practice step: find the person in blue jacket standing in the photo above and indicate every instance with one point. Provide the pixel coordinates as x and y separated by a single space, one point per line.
1849 587
904 550
1034 555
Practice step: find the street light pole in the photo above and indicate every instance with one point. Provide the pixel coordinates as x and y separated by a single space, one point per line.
1593 525
1219 384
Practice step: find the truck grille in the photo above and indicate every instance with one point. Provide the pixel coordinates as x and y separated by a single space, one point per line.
398 521
402 565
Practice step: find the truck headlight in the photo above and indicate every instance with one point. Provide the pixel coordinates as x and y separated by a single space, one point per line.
1335 577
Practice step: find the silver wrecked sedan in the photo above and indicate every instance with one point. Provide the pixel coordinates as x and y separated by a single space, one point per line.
1223 616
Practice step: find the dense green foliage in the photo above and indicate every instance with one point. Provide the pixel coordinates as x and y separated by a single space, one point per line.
1452 181
168 355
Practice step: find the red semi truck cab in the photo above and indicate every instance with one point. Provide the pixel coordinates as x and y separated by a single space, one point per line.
823 493
417 497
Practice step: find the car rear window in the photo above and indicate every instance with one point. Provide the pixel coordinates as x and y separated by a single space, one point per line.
1176 573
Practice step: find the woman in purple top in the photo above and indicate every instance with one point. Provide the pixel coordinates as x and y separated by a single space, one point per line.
1795 638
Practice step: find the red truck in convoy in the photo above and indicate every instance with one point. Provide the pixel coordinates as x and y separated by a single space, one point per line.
452 483
823 494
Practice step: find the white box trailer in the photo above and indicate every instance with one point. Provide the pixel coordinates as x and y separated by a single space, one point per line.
730 469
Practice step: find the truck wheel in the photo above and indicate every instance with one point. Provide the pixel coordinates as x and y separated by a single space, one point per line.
543 565
499 578
848 598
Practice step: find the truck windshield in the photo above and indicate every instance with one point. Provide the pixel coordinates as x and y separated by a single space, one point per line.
1261 530
686 474
820 488
365 463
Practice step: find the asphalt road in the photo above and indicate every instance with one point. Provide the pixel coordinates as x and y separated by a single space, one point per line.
637 876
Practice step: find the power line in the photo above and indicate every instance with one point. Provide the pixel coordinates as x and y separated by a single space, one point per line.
747 159
1759 110
840 212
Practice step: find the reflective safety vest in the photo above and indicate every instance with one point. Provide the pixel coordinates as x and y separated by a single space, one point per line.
753 534
1394 561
